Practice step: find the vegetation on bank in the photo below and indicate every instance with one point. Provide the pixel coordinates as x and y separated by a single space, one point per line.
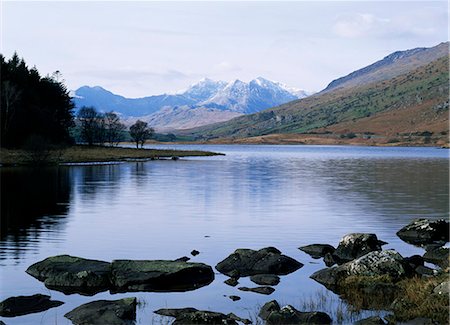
81 154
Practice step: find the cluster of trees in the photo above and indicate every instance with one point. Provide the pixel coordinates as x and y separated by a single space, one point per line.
33 106
100 128
37 111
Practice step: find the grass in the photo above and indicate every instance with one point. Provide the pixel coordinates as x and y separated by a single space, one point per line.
85 154
418 300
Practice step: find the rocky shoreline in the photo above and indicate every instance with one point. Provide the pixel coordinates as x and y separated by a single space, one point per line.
358 270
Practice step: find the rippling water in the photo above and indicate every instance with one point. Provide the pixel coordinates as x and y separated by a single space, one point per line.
255 196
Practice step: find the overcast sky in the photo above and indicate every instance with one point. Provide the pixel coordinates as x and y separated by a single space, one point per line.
137 49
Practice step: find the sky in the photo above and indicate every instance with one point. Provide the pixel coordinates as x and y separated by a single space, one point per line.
144 48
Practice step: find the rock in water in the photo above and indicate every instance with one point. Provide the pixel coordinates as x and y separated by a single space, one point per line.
71 274
111 312
273 314
261 290
265 279
356 245
374 320
317 250
374 264
246 262
438 256
267 308
424 231
159 275
23 305
194 316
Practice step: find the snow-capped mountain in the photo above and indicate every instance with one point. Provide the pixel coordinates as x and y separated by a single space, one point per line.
251 97
219 97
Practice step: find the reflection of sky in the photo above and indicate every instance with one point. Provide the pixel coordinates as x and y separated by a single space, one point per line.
254 197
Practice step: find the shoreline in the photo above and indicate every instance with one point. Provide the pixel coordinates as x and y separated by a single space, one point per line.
80 154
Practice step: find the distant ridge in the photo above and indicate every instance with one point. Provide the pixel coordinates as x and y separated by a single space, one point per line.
392 65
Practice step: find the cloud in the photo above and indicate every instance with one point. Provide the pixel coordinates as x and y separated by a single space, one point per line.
358 25
226 66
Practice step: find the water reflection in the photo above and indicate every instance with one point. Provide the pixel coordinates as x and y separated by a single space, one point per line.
33 201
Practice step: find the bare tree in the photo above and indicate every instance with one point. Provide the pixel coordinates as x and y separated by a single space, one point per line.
113 128
90 121
140 132
11 95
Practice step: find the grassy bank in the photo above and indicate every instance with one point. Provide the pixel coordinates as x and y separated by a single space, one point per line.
82 154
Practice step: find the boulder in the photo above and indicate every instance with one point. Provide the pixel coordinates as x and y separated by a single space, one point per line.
438 256
234 298
111 312
267 308
442 289
374 320
373 264
195 252
290 315
23 305
425 270
425 231
356 245
261 290
265 279
183 259
194 316
246 262
159 275
414 261
71 274
317 250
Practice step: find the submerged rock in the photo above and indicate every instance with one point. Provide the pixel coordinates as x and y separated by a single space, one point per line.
194 316
234 298
374 320
71 274
246 262
424 231
261 290
23 305
373 264
182 259
273 314
317 250
159 275
265 279
438 256
111 312
356 245
232 282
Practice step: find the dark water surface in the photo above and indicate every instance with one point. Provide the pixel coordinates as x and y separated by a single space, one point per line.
255 196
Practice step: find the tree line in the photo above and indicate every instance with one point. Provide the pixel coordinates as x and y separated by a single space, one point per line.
38 110
101 128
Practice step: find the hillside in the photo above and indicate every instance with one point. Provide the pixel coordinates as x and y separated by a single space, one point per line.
394 64
412 102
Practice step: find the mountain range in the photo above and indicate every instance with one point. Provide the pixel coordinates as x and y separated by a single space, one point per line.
205 102
404 93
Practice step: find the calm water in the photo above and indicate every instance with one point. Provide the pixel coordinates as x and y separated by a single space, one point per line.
255 196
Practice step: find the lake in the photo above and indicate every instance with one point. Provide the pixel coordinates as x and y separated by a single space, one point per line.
254 197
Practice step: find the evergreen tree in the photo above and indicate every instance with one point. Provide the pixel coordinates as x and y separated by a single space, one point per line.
32 105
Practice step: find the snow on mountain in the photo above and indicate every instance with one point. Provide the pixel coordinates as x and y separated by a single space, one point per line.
251 97
211 100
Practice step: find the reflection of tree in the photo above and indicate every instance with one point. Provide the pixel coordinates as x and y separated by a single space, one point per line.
32 200
97 180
